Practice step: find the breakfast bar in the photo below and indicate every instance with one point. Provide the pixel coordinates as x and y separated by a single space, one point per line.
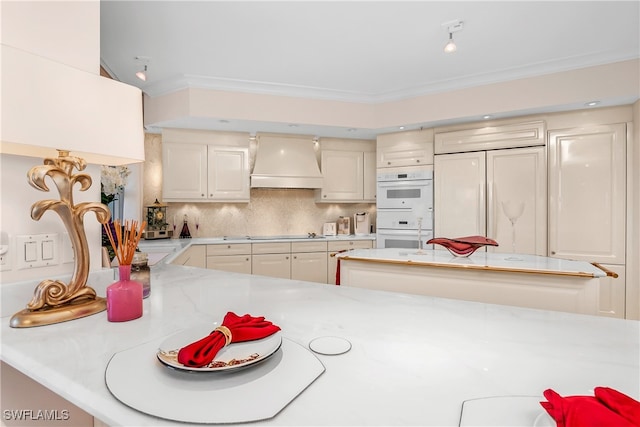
492 277
411 359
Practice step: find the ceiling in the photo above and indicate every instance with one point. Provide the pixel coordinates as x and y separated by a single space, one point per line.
357 51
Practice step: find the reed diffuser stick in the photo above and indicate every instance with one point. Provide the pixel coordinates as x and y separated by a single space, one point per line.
126 239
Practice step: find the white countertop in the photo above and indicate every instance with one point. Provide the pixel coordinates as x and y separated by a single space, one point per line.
166 250
413 361
479 260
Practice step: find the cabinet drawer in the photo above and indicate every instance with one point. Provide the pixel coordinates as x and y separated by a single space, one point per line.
271 248
350 244
308 246
234 263
229 249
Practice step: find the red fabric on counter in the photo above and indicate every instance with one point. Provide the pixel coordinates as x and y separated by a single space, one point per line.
620 403
586 411
245 328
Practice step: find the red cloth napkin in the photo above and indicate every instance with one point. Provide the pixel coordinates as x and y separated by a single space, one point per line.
234 329
590 411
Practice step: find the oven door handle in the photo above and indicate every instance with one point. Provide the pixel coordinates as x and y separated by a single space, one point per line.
395 184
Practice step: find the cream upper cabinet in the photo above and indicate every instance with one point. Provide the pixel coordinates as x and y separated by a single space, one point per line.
587 190
348 171
228 174
369 184
184 170
500 194
473 137
205 166
410 148
343 175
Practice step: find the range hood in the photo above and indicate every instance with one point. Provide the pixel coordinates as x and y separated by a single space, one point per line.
284 161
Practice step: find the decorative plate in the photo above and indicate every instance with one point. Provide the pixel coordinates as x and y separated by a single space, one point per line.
234 356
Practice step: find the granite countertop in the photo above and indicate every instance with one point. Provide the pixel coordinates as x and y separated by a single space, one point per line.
494 261
414 359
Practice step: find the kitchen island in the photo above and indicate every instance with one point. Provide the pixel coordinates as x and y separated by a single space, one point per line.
499 278
413 360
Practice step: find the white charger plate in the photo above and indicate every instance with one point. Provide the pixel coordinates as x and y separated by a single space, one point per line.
234 356
241 396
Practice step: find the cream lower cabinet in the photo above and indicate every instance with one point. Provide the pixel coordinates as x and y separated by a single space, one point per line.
501 194
235 257
335 247
612 290
271 259
195 256
309 261
587 203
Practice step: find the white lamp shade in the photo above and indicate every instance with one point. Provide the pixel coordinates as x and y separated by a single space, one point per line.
47 106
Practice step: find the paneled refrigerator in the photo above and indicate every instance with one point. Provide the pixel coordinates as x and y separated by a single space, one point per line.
500 194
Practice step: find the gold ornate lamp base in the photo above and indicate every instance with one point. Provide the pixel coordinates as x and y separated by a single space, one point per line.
73 310
54 301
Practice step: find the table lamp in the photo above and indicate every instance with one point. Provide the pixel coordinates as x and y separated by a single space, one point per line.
51 110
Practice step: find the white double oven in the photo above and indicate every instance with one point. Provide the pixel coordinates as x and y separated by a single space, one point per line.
404 205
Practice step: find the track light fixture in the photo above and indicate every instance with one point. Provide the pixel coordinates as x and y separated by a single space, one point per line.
452 27
450 47
142 74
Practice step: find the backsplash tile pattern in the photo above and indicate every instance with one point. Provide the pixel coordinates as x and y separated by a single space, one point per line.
270 211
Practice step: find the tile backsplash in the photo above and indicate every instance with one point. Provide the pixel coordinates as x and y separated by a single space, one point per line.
269 212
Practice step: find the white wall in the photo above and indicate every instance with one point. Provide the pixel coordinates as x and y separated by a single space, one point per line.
15 216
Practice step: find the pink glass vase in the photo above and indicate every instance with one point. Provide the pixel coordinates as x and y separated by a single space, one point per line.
124 297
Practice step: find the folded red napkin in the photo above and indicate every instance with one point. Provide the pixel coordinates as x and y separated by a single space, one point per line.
590 411
233 329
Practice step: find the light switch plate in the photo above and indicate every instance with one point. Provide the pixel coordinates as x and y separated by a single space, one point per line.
37 250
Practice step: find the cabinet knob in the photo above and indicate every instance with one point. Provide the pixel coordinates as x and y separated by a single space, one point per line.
325 196
202 195
351 243
228 246
417 160
286 257
553 252
247 259
388 163
295 257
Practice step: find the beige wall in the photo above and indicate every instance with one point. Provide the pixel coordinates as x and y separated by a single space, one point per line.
269 212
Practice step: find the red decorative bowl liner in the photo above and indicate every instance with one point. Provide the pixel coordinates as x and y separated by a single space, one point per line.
463 246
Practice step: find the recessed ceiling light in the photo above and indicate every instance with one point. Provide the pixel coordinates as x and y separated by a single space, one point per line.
293 125
351 130
224 121
592 103
486 116
401 128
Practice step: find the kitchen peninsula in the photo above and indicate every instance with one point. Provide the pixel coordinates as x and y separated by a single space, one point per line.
413 359
492 277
